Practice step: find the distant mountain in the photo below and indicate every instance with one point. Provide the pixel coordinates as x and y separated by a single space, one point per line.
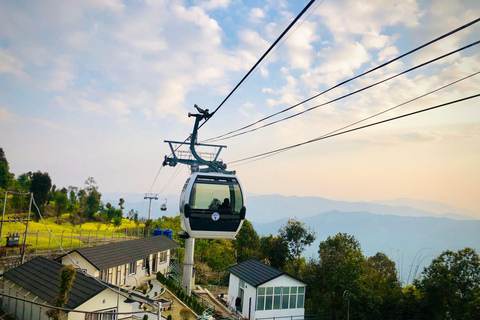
406 240
267 208
433 206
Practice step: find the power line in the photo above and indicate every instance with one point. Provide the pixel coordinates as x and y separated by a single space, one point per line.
349 80
260 60
375 115
353 92
355 129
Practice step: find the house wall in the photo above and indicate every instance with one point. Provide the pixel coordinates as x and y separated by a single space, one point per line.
24 310
249 306
249 296
80 262
282 281
131 279
105 300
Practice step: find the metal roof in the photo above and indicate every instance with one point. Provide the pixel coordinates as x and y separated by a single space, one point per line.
41 277
119 253
256 273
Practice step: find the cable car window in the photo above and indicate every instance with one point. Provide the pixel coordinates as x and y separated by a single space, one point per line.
216 194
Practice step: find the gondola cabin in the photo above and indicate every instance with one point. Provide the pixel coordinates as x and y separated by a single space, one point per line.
212 206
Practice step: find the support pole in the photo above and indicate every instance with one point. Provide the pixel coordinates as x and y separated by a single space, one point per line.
188 265
150 196
26 229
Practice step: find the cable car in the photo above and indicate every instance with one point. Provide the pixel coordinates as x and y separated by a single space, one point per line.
212 205
163 207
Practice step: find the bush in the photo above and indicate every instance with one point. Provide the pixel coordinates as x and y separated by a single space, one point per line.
145 317
169 317
185 314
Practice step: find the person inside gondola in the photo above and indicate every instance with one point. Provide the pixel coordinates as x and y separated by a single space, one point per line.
225 206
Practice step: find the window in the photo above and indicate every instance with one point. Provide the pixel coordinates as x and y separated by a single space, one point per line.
132 268
104 315
276 298
163 256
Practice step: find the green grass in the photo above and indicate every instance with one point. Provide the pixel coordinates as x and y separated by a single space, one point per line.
42 236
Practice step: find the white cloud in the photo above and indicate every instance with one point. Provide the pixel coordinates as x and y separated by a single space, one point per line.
387 53
300 49
256 15
9 64
214 4
61 76
6 115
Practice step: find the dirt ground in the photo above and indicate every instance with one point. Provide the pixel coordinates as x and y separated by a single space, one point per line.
175 309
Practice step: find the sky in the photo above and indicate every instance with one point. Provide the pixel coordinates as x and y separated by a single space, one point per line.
92 88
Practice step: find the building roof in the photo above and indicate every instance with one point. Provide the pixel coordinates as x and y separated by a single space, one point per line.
256 273
41 277
119 253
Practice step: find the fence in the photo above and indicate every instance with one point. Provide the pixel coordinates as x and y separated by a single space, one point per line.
323 316
50 244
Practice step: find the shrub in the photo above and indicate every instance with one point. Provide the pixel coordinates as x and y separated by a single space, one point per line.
169 317
145 317
185 314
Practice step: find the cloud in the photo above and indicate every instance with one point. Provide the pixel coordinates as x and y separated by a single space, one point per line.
6 115
214 4
299 46
256 15
11 65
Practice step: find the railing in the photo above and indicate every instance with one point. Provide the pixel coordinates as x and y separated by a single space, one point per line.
322 316
209 307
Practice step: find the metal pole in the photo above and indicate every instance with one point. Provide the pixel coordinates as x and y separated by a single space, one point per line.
26 229
89 237
80 240
3 215
61 242
71 241
188 265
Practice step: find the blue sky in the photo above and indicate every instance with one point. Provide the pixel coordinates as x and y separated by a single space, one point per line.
92 88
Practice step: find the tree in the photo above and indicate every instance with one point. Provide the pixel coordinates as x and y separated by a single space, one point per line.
92 203
61 203
40 186
5 176
274 251
246 243
117 221
67 275
297 236
185 314
450 286
340 267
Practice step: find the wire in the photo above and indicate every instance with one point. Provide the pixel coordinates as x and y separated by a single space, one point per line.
374 115
155 180
353 92
351 79
71 259
260 60
355 129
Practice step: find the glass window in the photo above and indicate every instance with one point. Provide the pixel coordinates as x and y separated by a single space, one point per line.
301 301
286 290
242 284
285 301
293 290
293 301
261 303
261 291
301 289
270 290
276 302
278 290
268 302
211 193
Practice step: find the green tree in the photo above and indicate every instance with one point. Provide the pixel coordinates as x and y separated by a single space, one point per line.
5 176
341 266
67 275
61 204
40 186
117 221
274 251
92 204
297 236
246 243
25 181
450 286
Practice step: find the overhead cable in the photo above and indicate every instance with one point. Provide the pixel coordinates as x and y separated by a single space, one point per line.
349 80
353 92
374 115
358 128
260 60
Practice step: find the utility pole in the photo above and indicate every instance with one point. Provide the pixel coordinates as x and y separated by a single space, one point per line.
26 229
5 204
150 196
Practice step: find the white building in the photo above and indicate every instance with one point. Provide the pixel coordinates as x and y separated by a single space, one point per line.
37 281
265 292
123 262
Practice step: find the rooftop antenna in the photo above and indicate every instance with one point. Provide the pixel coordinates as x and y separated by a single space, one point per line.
150 196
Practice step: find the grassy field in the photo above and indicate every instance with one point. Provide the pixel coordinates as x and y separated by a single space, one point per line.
50 235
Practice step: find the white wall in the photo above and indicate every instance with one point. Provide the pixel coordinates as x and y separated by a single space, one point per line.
282 281
80 261
250 292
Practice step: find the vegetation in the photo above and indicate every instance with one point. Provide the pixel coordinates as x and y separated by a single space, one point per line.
180 294
67 275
